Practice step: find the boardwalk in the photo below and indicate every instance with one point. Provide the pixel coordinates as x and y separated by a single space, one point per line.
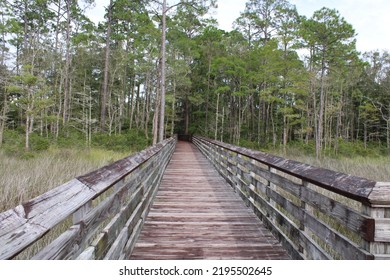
196 215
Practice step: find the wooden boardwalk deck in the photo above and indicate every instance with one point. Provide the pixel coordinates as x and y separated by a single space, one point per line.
197 215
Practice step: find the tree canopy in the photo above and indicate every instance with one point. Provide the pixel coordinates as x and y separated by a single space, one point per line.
157 68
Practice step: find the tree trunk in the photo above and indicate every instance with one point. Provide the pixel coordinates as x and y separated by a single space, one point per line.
206 127
106 69
137 119
3 117
146 113
162 87
133 102
285 133
187 116
173 108
27 134
320 126
365 134
216 119
155 120
388 135
67 63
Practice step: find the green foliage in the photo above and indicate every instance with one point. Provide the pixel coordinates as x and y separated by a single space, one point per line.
355 149
70 138
13 142
345 149
131 141
247 86
250 144
39 143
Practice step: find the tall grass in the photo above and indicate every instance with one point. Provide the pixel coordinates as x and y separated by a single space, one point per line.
24 178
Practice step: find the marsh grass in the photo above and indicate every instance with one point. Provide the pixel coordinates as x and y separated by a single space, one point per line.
23 178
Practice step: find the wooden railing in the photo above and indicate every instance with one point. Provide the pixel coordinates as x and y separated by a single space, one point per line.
316 213
95 216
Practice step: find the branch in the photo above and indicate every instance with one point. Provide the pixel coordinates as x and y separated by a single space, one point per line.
171 7
380 109
176 5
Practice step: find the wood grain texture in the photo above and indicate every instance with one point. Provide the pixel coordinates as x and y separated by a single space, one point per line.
23 225
196 215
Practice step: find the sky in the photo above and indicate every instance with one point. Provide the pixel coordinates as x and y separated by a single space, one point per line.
369 18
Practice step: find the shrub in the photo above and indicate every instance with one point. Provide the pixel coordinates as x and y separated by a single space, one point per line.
39 143
132 140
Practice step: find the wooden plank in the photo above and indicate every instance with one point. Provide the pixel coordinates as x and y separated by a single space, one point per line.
342 245
120 223
62 248
30 221
109 234
79 236
116 249
195 208
382 230
87 254
380 195
54 206
354 221
346 216
280 225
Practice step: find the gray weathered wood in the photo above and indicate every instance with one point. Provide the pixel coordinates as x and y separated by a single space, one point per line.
380 194
36 217
271 184
382 230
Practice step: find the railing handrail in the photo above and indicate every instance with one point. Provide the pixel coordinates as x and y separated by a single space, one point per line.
30 221
357 188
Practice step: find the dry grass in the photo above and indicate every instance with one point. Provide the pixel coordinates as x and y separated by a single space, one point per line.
23 179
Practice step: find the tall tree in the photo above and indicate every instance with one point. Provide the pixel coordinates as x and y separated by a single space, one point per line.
261 19
332 42
106 68
200 8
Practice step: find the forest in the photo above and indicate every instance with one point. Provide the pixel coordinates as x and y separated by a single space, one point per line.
152 69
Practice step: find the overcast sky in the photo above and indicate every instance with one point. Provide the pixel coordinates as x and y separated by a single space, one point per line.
370 18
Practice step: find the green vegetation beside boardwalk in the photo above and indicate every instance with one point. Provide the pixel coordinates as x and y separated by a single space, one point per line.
13 142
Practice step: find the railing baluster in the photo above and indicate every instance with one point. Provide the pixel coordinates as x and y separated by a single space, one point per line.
81 212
